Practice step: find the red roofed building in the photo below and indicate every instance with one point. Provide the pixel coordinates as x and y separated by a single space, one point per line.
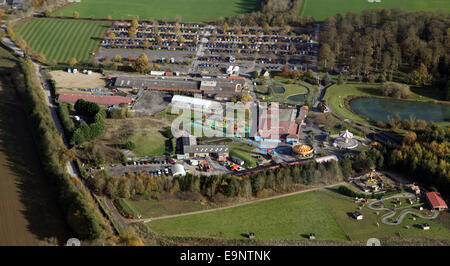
436 201
231 77
105 100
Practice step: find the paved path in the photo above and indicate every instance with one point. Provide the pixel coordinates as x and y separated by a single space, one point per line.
392 212
145 220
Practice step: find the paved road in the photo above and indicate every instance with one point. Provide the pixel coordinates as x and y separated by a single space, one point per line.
45 86
392 212
48 99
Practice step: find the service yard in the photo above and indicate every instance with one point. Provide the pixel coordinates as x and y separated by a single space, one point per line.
68 80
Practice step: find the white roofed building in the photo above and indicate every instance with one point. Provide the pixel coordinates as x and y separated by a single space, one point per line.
196 102
178 170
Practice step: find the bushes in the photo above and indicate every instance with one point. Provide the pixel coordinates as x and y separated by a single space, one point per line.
125 209
67 122
87 132
395 90
129 145
89 109
348 192
79 208
52 84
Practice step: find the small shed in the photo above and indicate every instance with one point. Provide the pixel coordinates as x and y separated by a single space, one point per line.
312 236
357 215
251 235
425 226
237 160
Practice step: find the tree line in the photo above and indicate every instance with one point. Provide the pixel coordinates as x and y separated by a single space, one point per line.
80 210
281 180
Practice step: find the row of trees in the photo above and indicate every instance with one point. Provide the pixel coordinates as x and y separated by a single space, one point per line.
80 210
386 41
281 180
63 111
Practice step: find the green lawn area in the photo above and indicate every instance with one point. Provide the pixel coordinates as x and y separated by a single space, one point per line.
298 87
62 39
156 208
336 94
284 218
324 213
241 151
187 10
146 132
149 144
321 9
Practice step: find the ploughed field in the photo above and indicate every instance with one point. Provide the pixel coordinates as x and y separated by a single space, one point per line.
321 9
60 39
186 10
29 211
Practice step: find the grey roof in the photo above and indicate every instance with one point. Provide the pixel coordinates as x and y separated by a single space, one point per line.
206 149
237 159
189 141
139 82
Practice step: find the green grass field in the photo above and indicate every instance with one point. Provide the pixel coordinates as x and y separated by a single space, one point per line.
149 144
321 9
285 218
322 212
156 208
62 39
187 10
242 151
298 87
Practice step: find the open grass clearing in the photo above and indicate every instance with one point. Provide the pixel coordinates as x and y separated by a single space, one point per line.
291 217
186 10
325 213
155 208
146 132
321 9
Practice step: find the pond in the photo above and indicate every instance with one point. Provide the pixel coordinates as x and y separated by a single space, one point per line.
297 97
378 109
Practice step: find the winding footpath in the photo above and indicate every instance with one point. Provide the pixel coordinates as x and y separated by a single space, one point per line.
392 212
